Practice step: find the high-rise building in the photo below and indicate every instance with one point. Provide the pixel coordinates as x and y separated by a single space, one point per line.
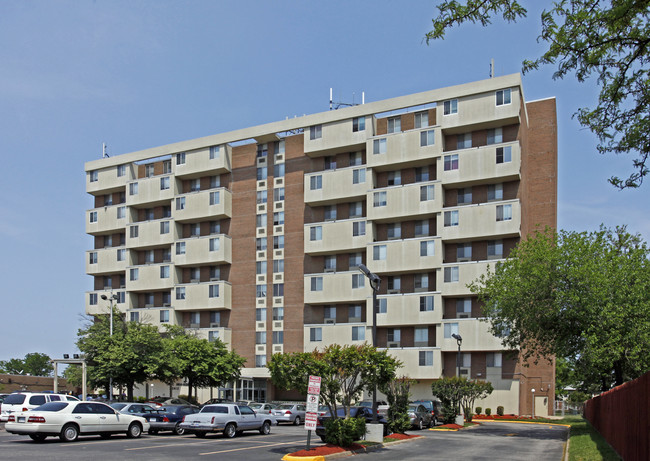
255 236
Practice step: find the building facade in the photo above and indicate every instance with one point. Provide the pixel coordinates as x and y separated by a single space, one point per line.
255 236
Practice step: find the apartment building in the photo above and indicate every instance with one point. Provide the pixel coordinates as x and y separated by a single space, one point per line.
255 236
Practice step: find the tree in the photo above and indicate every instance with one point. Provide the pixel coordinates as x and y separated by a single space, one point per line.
459 392
345 372
398 395
34 364
606 39
584 297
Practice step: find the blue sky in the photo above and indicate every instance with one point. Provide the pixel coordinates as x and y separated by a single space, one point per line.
137 74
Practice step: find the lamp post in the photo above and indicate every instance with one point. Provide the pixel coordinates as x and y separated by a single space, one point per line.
459 340
110 298
375 282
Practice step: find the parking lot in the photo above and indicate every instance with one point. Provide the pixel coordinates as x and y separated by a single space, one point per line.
490 441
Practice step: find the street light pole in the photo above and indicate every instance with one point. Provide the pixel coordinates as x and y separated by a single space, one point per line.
110 379
459 341
375 282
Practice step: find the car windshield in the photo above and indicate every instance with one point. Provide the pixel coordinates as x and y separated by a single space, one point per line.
285 407
52 406
214 409
412 408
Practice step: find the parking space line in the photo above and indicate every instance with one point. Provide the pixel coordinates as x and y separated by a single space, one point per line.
245 448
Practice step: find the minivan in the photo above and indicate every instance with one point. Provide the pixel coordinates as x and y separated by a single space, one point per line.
23 401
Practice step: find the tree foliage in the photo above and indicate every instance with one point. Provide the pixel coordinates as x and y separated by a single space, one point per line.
398 395
459 392
34 364
345 372
608 40
584 297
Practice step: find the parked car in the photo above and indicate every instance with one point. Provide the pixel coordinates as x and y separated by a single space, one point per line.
169 418
420 417
263 408
435 407
23 401
355 412
138 409
68 420
213 401
162 401
382 406
293 413
229 418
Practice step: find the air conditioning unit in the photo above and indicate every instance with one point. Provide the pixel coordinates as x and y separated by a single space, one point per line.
277 324
277 348
261 324
279 181
279 157
261 231
278 229
330 269
195 281
278 253
392 344
261 184
166 305
393 292
214 325
194 325
463 260
261 161
278 276
261 254
464 371
148 305
354 319
463 315
330 321
214 279
260 348
261 207
279 205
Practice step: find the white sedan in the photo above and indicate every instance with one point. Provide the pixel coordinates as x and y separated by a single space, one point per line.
68 420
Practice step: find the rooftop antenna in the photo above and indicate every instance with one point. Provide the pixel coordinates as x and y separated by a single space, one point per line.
104 153
492 68
337 105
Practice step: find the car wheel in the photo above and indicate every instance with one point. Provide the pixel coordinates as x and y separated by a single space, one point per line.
37 437
200 434
420 425
230 431
266 428
296 422
178 430
135 431
69 433
105 435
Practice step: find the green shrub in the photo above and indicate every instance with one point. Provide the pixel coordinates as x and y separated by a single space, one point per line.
500 410
344 432
479 410
397 394
488 411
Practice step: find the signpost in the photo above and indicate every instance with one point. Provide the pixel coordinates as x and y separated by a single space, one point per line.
311 415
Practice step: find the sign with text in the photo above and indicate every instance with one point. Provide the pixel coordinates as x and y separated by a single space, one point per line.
311 420
312 403
314 385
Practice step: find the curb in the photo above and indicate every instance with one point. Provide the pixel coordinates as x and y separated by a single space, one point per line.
517 422
345 454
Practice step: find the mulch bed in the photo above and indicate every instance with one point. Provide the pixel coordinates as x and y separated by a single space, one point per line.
328 449
450 426
401 436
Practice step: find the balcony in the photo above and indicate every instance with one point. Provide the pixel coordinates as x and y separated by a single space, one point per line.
410 358
337 288
405 255
108 181
467 273
404 150
476 337
107 262
479 164
480 221
403 202
198 163
479 111
404 309
198 205
148 234
337 137
149 192
149 278
197 297
197 251
224 334
337 236
337 185
103 307
107 221
333 334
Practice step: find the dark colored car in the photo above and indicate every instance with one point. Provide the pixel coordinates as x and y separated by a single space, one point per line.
169 418
434 406
136 409
355 412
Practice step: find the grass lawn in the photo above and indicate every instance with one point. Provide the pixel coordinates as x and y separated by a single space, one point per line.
585 443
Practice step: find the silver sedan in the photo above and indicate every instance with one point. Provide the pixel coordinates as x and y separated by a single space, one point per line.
289 413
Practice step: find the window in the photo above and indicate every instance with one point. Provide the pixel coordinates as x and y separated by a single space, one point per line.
495 249
133 232
260 361
214 197
450 107
215 244
421 336
260 267
316 334
394 231
278 289
329 212
379 146
421 119
262 150
148 214
92 299
427 248
164 183
195 274
180 203
164 316
133 188
359 176
164 272
317 284
108 199
260 220
108 241
121 254
180 292
464 252
358 280
195 185
93 216
383 306
213 291
108 282
329 163
278 265
262 173
426 303
495 136
451 329
278 170
493 359
464 141
422 228
425 358
356 159
421 282
394 283
133 274
464 308
464 196
195 229
421 174
180 158
504 212
316 182
504 154
167 211
427 138
167 167
359 124
495 192
503 97
394 124
278 313
358 333
315 132
215 227
466 359
213 335
356 209
315 233
195 318
121 170
278 147
261 196
329 313
148 171
278 337
379 252
427 192
451 274
121 212
260 244
451 218
394 178
379 199
135 316
278 194
451 162
260 291
278 218
215 273
330 263
180 248
215 317
214 152
394 335
93 176
260 337
354 260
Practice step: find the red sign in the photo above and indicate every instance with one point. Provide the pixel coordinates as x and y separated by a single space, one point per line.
311 420
314 385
